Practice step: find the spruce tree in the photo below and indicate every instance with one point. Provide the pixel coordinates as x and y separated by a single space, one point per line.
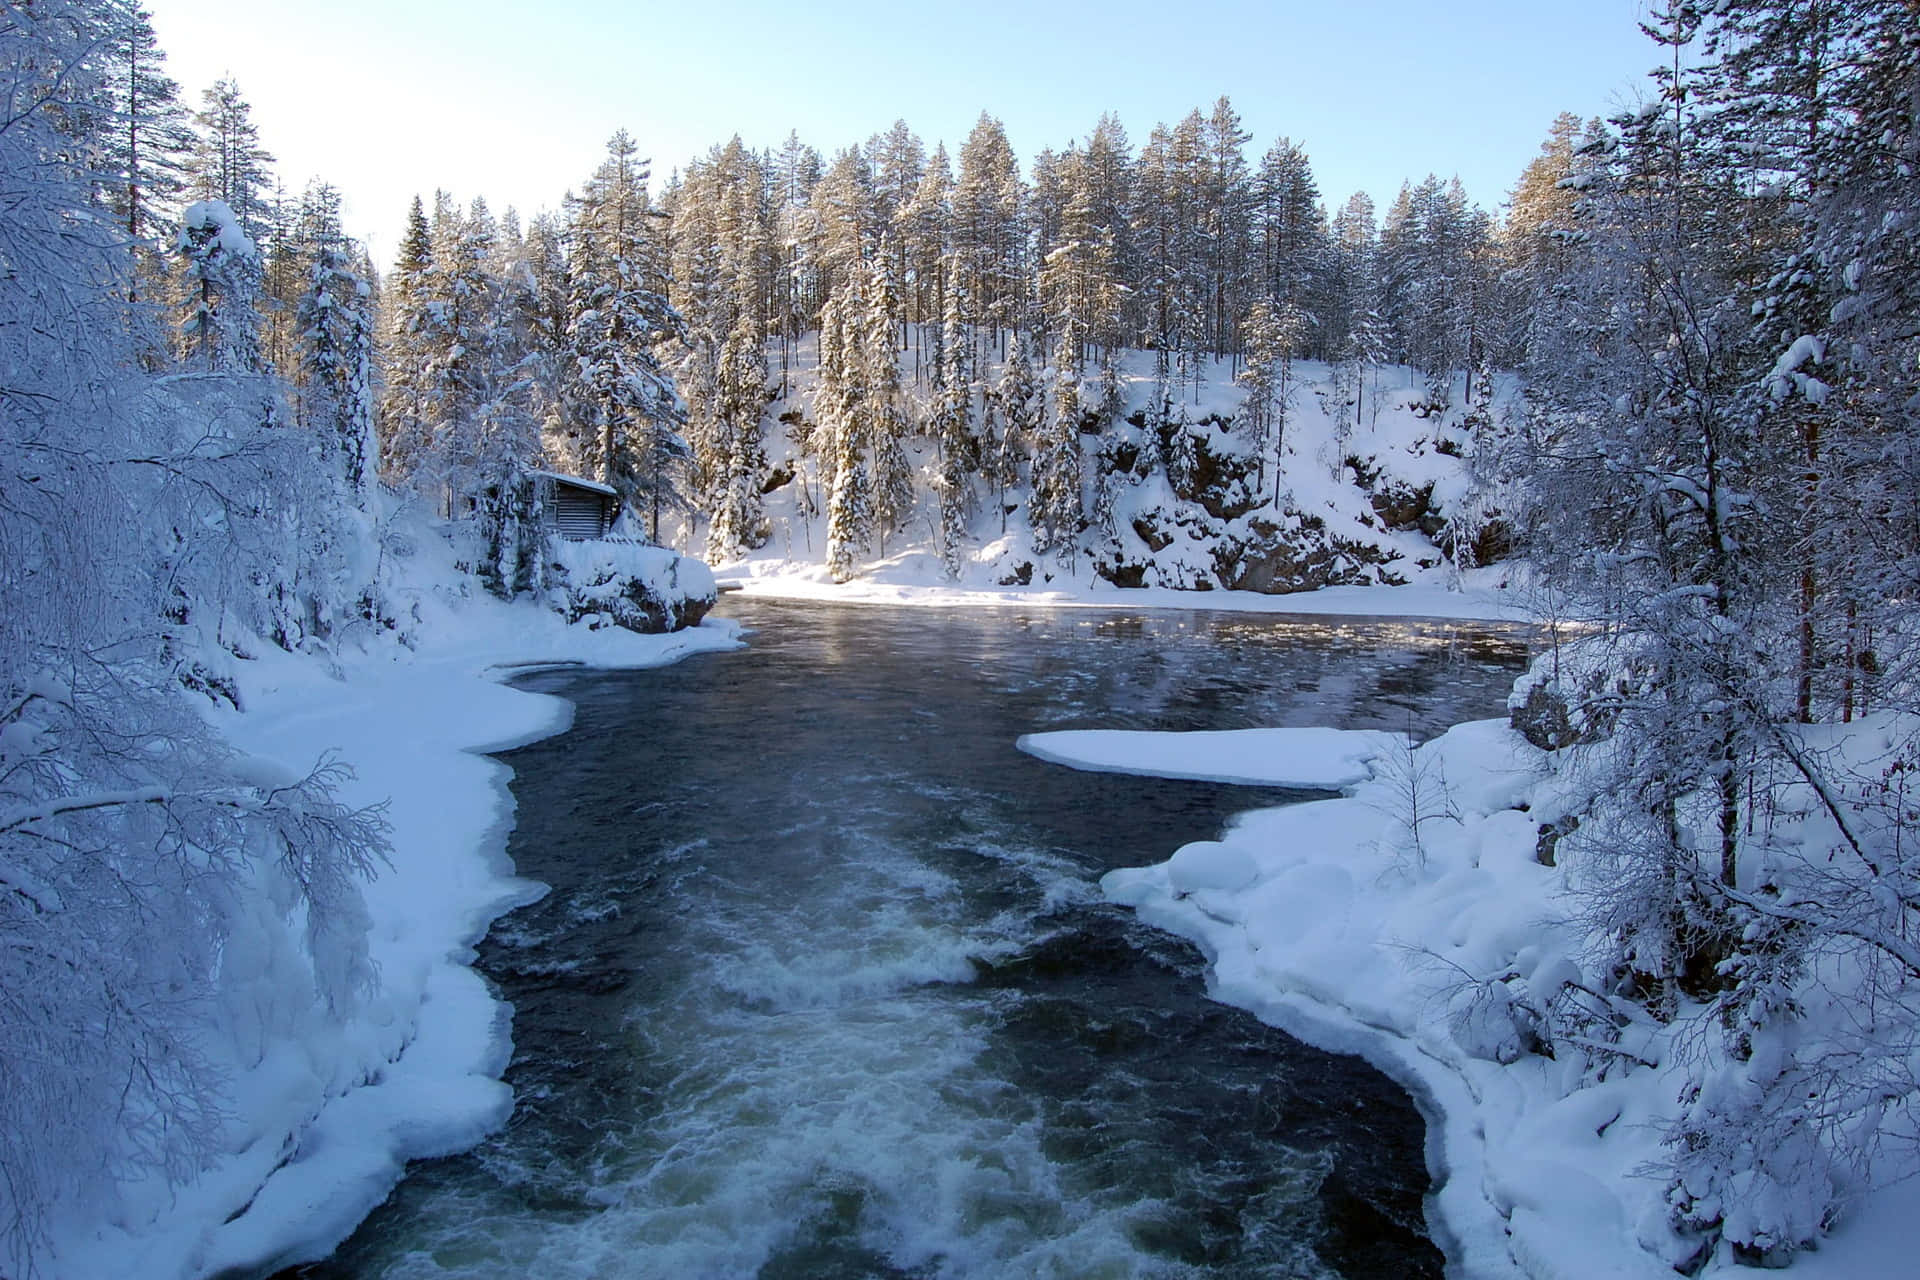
840 408
405 408
953 434
629 416
1054 509
884 418
334 321
220 288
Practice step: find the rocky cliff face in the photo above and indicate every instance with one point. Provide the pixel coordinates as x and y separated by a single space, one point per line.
1187 505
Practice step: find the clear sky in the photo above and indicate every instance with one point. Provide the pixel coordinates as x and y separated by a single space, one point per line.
515 102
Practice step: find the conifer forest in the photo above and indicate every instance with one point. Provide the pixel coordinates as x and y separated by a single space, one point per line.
1672 385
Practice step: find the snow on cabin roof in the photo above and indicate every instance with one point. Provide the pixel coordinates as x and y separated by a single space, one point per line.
578 482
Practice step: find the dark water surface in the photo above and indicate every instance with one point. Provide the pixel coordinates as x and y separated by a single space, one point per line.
824 986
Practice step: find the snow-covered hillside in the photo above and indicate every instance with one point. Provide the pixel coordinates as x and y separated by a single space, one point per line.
1378 492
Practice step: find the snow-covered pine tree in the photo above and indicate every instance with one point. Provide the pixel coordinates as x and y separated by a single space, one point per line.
989 225
1294 247
1260 407
739 521
335 325
220 286
1054 509
795 172
885 415
1535 240
1022 405
629 415
146 141
898 159
408 319
925 225
845 228
1226 199
536 285
229 164
840 408
1106 185
953 433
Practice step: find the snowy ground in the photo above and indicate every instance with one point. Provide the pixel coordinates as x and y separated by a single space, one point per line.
323 1130
1359 923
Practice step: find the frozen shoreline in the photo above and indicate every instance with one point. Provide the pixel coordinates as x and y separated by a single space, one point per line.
1316 917
1327 920
1480 596
324 1131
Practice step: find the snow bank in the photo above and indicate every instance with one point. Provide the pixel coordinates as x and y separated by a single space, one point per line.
322 1130
1409 923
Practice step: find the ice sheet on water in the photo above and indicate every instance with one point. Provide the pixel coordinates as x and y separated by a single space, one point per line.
1312 759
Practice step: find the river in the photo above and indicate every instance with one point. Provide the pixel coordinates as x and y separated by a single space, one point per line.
824 986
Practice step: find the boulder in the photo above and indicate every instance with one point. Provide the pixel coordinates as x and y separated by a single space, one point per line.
628 584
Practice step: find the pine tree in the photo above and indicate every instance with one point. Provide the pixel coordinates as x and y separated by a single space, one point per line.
898 159
1294 252
405 408
846 228
841 412
1106 181
738 515
989 226
796 302
147 140
220 281
335 325
926 226
1054 510
953 434
229 164
628 411
1021 409
884 417
1226 197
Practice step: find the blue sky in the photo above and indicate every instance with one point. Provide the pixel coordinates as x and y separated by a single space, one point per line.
386 98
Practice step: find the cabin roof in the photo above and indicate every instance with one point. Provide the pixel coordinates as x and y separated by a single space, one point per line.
577 482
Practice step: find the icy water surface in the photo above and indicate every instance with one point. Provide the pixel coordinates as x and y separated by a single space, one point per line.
824 986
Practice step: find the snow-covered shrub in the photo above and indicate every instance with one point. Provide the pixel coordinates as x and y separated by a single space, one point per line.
629 584
151 526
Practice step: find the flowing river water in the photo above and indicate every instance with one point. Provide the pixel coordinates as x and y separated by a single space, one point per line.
825 987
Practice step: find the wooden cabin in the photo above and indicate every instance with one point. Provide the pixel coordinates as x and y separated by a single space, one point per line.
577 509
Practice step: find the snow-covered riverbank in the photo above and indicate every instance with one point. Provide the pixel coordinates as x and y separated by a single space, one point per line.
323 1127
914 579
1413 922
1390 923
1405 922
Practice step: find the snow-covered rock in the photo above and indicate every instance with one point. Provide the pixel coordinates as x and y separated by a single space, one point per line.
628 584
